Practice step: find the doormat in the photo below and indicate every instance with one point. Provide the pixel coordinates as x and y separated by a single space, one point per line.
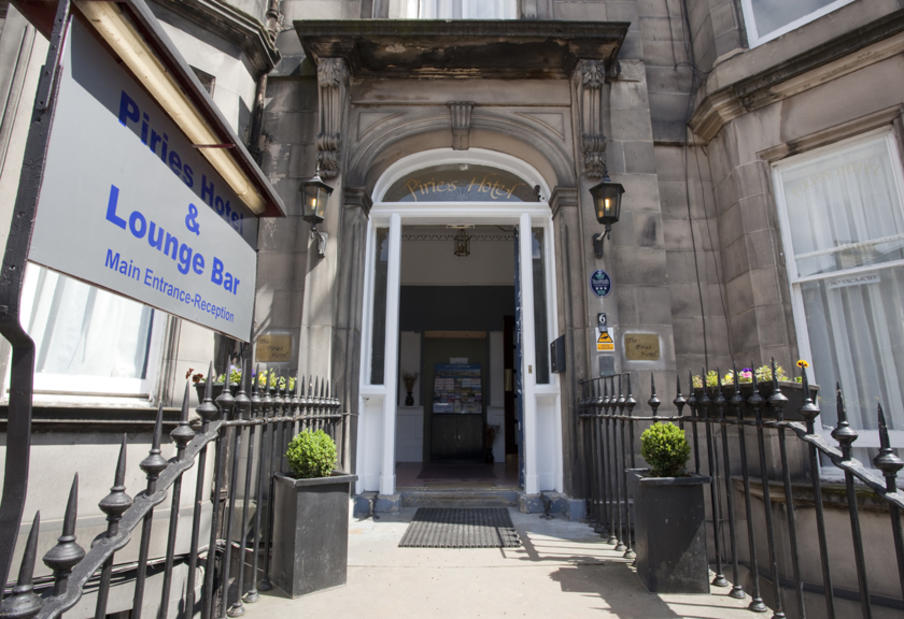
442 527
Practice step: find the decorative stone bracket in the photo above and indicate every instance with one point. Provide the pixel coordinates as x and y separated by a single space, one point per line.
332 81
591 76
460 113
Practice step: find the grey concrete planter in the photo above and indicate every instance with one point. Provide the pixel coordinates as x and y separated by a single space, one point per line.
670 539
310 532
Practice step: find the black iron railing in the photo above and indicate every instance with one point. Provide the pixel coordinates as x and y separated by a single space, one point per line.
247 437
752 442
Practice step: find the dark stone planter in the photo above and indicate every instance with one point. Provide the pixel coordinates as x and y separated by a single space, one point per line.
670 538
791 410
310 532
798 457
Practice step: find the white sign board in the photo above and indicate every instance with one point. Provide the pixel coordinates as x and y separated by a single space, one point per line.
128 204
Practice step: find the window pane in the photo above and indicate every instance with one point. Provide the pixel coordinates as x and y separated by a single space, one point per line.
844 209
378 327
85 331
772 18
541 339
459 9
856 329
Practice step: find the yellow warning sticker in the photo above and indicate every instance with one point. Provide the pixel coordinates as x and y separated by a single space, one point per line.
604 342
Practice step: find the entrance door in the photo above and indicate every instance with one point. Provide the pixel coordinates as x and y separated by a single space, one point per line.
455 371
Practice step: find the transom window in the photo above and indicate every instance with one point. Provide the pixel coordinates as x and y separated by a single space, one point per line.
768 19
461 182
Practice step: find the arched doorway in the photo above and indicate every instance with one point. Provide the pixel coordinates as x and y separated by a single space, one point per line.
431 198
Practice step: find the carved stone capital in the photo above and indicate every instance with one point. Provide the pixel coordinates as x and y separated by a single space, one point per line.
332 83
590 76
357 198
460 115
563 197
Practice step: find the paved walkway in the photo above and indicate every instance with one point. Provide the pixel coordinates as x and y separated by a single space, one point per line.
562 570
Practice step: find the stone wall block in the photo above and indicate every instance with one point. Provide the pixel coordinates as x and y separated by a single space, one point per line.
688 334
677 235
735 261
766 287
290 95
639 266
669 78
729 225
648 230
745 336
738 294
628 95
757 213
665 53
653 305
569 10
661 28
752 178
633 124
639 157
280 234
771 325
641 192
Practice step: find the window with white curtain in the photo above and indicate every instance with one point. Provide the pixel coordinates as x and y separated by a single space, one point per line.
87 340
842 211
768 19
454 9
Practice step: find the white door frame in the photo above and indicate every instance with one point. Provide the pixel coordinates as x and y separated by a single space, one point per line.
377 403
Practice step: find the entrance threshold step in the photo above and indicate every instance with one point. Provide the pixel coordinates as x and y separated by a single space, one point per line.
459 497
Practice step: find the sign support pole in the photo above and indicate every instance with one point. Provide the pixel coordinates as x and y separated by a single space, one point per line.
18 445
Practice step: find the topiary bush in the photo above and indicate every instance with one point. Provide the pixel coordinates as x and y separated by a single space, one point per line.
311 454
665 448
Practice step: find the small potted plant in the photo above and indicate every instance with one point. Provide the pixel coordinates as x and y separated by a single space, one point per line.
670 538
310 517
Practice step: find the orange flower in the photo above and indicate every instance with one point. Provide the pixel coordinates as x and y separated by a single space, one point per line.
801 363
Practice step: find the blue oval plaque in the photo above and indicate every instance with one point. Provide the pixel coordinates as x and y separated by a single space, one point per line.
600 283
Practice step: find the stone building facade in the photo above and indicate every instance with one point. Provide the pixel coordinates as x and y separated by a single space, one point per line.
763 214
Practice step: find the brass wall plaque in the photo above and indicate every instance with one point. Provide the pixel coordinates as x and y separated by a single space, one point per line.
642 347
274 348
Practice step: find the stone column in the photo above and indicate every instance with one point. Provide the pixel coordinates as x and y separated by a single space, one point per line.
569 238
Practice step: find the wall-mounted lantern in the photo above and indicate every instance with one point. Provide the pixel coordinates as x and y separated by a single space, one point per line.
607 203
314 196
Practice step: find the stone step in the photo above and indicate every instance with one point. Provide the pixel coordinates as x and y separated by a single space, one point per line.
458 497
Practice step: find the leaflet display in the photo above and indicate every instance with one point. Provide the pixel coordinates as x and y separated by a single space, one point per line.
457 389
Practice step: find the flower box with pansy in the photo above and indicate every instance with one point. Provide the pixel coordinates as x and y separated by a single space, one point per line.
792 388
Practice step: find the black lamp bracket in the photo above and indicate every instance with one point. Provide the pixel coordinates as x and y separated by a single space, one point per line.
320 237
598 240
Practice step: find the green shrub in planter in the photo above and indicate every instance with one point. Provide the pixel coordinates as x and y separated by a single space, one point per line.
311 454
665 448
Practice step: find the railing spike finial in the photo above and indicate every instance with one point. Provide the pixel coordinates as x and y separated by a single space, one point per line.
117 502
207 409
886 460
843 432
809 409
182 434
654 401
23 603
67 553
154 463
679 400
